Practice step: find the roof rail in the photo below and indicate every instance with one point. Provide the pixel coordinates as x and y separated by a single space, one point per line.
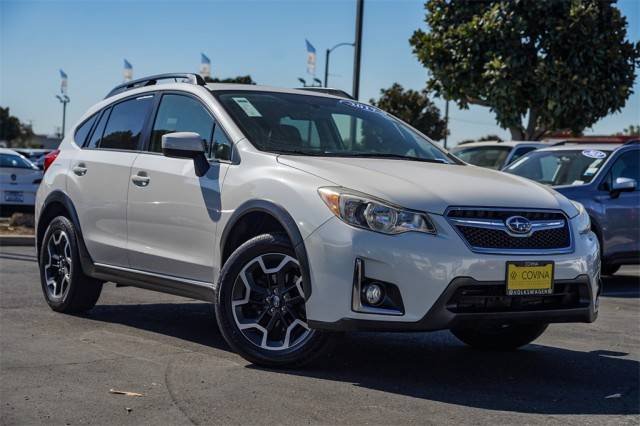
329 91
190 78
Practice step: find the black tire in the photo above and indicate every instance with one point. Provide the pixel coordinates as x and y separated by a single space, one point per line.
309 346
608 269
504 337
78 292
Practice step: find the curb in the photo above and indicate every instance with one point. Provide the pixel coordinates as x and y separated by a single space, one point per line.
17 240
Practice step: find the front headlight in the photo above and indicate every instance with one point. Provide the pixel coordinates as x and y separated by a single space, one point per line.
367 212
583 221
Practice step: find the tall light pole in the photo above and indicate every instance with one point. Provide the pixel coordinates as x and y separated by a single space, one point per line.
446 122
326 61
64 99
358 50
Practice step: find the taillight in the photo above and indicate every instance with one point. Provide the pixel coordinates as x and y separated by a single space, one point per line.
50 158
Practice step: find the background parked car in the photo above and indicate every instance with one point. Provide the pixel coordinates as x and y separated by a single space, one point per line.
19 180
604 178
35 155
493 154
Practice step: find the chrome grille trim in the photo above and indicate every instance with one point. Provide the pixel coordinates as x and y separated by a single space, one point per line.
499 225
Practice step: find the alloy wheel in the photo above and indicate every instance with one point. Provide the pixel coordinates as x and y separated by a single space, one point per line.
58 263
268 303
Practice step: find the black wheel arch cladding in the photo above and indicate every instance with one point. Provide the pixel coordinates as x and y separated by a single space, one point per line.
282 216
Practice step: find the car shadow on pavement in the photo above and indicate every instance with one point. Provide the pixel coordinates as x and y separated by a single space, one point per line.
432 366
621 285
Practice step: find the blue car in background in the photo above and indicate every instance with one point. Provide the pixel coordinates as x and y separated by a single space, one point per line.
604 178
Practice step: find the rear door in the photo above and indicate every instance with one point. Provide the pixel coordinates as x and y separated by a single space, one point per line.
172 213
99 177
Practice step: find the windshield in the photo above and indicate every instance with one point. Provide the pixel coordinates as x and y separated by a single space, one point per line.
492 157
575 167
313 125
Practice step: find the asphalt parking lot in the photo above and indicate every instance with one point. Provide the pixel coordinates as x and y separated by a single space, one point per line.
59 369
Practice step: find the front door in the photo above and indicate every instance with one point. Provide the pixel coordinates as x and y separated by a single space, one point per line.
622 213
172 213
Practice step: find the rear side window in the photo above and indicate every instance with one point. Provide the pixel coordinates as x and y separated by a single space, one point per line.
178 113
83 130
126 122
97 133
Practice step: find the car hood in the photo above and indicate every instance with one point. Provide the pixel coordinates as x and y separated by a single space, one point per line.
431 187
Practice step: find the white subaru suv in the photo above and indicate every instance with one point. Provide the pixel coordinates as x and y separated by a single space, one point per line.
299 214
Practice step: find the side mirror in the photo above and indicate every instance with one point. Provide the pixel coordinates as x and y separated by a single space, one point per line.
186 145
623 184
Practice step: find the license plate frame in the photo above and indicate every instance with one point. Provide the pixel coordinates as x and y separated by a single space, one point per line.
529 278
14 196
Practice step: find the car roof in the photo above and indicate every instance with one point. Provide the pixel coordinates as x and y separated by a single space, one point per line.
8 151
583 147
497 143
220 87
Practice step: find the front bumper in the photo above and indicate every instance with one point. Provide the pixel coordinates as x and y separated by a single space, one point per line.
428 270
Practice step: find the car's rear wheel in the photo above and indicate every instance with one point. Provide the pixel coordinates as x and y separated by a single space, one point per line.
260 305
65 286
499 337
608 269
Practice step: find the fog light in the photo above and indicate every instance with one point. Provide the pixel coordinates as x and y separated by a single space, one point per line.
373 293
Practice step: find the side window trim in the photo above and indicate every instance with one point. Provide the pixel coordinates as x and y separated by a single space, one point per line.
107 110
214 117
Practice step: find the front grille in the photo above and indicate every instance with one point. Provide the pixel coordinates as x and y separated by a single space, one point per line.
493 298
485 230
495 239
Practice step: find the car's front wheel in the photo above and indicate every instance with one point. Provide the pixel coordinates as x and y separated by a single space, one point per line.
260 305
499 337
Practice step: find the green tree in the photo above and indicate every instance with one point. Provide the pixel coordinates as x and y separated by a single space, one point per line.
241 79
558 64
633 130
11 129
412 107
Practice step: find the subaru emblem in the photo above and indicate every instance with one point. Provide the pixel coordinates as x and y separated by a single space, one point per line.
518 225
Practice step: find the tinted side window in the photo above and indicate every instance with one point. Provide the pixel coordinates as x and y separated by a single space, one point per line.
178 113
628 166
83 130
99 130
124 128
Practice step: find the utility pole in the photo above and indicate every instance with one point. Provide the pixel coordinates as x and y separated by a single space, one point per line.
326 61
64 100
446 122
358 50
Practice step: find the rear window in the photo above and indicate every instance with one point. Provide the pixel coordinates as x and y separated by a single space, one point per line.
126 122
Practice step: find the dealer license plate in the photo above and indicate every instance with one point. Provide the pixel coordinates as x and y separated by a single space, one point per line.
14 196
529 278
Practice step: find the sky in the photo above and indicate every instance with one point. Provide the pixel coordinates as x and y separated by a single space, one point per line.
90 39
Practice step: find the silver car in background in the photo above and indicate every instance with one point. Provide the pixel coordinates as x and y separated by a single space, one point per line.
19 181
494 154
602 177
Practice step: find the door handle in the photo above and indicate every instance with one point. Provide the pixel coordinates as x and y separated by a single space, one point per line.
141 179
80 170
